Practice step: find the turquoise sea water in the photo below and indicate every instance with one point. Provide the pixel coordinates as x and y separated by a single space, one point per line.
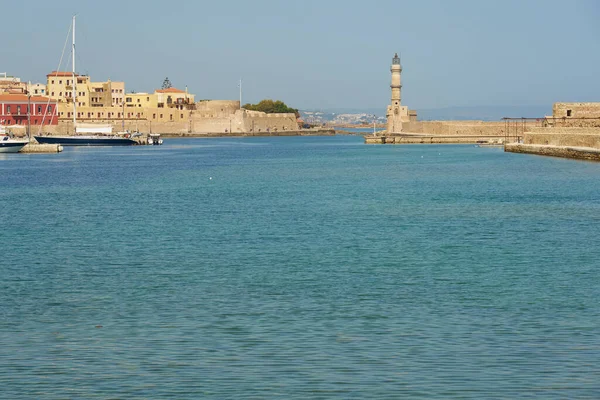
301 267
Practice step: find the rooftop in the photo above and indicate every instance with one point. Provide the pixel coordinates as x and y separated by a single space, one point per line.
23 97
61 73
169 90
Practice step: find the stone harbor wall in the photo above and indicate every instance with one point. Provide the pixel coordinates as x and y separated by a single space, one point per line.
563 136
575 115
470 128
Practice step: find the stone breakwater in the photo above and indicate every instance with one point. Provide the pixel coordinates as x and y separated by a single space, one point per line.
432 139
303 132
41 148
581 153
568 142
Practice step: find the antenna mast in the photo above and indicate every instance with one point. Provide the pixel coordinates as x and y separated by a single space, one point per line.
74 96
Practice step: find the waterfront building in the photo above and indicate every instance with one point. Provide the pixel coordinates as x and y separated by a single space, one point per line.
172 97
12 84
582 114
36 89
59 86
14 110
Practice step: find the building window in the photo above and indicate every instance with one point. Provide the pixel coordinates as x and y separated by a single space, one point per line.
8 109
181 116
18 110
39 109
161 116
60 94
128 100
171 117
53 81
147 98
60 82
568 113
49 109
153 116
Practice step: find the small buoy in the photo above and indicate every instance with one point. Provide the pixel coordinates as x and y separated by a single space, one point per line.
210 178
421 156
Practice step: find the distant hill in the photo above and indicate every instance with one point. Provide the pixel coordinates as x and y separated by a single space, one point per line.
484 113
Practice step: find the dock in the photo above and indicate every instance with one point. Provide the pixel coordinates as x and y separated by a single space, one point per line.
418 138
41 148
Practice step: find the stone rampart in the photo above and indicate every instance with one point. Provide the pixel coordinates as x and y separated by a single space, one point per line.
582 153
474 128
563 136
575 115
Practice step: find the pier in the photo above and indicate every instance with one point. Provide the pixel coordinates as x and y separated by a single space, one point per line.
41 148
418 138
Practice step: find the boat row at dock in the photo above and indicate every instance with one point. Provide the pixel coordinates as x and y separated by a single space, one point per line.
55 144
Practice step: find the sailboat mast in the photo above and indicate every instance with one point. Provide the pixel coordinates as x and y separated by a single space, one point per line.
74 96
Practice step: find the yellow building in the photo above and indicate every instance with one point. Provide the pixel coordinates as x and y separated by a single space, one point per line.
36 89
141 100
59 86
174 98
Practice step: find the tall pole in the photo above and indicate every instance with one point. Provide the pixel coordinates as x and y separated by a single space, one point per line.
28 116
373 124
74 96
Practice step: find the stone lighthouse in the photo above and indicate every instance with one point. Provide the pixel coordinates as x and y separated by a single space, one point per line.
396 113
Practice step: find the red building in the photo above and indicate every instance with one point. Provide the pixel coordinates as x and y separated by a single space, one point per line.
13 110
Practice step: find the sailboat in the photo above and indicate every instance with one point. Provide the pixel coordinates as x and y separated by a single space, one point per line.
85 134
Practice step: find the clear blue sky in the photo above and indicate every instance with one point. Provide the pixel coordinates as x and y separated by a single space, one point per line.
321 53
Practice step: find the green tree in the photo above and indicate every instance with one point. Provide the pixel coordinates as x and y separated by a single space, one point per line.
271 107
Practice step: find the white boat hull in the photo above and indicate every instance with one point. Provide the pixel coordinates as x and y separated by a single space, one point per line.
11 146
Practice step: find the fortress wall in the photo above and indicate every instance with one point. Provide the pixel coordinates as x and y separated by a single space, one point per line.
574 137
456 127
144 126
216 108
218 116
565 130
575 115
213 125
270 122
578 110
469 128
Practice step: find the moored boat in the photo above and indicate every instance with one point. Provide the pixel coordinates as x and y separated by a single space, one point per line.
154 139
86 134
93 140
10 145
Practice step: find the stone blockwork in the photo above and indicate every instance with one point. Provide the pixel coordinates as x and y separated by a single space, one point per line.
507 129
581 153
575 115
567 142
563 136
211 116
